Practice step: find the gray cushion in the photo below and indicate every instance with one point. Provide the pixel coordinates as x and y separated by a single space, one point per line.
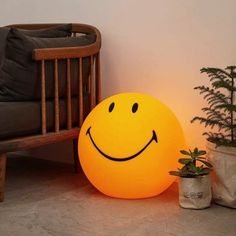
20 74
62 30
24 118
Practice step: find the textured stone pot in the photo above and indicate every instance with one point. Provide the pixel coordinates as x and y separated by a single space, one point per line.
195 193
223 175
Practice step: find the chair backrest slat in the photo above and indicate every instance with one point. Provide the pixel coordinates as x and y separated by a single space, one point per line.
43 98
56 95
92 83
69 119
98 78
81 110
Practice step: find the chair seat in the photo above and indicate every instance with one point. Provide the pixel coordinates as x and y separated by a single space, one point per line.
24 118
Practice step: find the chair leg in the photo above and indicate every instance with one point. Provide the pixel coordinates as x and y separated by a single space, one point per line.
76 160
3 158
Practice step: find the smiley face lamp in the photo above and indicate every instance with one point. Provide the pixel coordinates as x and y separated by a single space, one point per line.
128 144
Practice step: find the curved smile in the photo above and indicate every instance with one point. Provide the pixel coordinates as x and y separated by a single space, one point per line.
153 138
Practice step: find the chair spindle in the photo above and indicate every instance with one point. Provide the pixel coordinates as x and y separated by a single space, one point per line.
81 112
69 119
56 95
92 83
98 79
43 98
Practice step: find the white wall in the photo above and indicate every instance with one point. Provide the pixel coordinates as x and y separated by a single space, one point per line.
155 47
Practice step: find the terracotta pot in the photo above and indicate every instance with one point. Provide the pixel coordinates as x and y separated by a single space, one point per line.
223 175
195 193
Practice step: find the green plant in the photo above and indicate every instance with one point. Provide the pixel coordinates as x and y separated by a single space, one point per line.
190 168
221 112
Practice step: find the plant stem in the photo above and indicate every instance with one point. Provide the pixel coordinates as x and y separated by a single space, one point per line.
232 103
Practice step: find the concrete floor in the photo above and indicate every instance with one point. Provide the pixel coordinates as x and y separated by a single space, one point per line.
44 198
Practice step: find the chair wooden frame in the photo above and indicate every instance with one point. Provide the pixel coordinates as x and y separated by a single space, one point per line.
70 133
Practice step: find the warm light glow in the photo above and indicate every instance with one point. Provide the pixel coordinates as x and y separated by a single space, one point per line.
128 144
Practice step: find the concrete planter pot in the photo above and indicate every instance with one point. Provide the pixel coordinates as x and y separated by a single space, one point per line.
195 193
223 175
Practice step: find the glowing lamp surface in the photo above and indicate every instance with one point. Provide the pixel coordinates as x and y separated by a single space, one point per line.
128 144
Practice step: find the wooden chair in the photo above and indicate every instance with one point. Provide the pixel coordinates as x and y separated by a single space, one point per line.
71 132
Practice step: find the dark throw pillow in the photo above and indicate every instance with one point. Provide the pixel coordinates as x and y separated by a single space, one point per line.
20 74
3 37
61 30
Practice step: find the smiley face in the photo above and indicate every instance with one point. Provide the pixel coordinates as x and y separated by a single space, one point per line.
154 138
127 145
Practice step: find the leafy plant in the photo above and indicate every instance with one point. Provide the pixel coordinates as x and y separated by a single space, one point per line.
221 110
190 168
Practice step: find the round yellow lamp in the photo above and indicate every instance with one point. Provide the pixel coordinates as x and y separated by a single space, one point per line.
128 144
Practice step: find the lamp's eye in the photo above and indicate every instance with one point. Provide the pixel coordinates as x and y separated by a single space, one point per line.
135 107
111 107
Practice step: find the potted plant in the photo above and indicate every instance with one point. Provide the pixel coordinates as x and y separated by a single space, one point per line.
194 180
220 117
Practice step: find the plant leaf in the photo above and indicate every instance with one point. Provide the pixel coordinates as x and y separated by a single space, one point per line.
201 152
185 161
206 163
185 152
175 173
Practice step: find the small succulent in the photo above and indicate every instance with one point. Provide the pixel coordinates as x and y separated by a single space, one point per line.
190 168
